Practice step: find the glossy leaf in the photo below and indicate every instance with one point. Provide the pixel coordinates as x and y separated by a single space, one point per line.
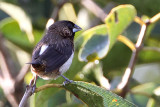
143 71
95 96
92 72
118 20
95 43
12 32
141 93
20 16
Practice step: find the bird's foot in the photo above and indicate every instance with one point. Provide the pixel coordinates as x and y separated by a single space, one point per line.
33 88
67 81
32 84
30 89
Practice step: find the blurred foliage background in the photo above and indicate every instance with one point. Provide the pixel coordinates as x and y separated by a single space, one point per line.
23 23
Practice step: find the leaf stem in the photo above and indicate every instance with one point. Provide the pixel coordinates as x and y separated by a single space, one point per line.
138 20
127 42
47 86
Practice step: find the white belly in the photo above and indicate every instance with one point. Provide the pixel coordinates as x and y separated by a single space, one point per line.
66 65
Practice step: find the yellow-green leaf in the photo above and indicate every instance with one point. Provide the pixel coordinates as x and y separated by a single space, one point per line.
118 19
20 16
95 43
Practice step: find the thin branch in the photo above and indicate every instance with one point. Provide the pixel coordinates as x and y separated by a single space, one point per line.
94 8
4 65
7 79
151 49
1 78
130 69
26 95
142 93
155 18
29 92
22 73
141 36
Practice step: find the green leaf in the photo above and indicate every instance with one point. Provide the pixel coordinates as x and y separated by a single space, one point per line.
140 94
118 20
12 32
20 16
143 71
95 43
95 96
92 72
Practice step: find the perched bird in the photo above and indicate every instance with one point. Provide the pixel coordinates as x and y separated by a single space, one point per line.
53 55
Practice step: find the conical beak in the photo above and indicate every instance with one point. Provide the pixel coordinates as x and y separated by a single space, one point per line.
76 28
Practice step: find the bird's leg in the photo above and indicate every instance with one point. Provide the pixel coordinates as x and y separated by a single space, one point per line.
33 83
67 81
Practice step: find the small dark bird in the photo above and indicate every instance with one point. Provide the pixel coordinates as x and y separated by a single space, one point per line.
53 55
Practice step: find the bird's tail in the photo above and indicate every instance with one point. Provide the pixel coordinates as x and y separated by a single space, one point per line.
35 64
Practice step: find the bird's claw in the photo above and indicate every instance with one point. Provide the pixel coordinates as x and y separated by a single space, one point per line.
67 82
32 87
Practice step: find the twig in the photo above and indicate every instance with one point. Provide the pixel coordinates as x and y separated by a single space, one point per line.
4 64
26 95
155 18
22 73
151 49
130 69
1 78
29 92
142 93
94 8
7 80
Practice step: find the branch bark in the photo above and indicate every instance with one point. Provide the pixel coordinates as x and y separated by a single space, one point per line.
22 73
29 92
12 91
123 86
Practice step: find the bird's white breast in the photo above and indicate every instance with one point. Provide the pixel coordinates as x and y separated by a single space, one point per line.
66 65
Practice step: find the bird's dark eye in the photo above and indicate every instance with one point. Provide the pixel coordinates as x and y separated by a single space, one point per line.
67 32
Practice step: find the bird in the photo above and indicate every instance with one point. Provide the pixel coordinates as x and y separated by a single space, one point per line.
53 55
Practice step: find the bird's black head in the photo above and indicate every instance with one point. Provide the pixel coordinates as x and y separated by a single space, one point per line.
64 28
